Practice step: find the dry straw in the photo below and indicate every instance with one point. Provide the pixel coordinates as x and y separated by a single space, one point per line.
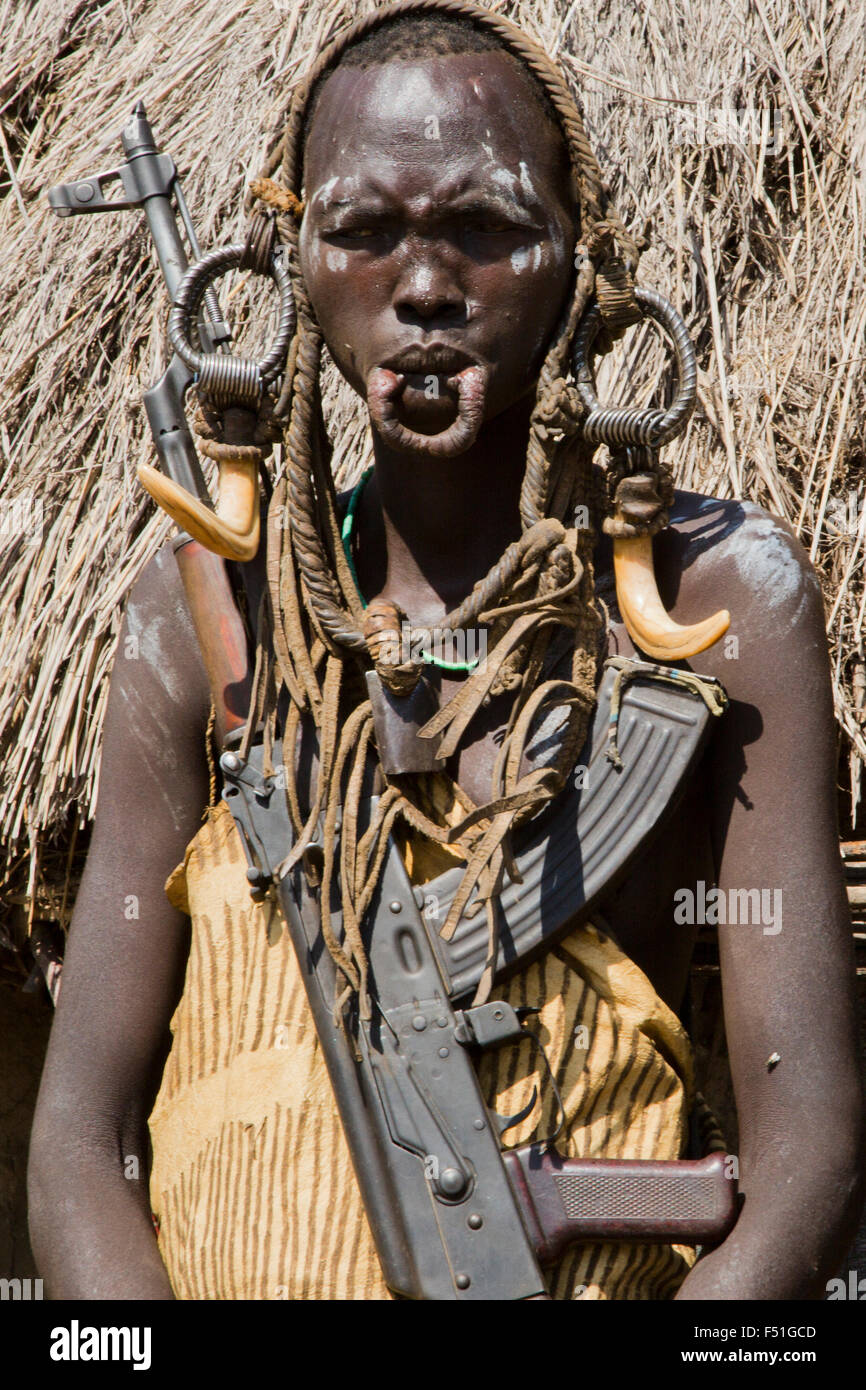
756 231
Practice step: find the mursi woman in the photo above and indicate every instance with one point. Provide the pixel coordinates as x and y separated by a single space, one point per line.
447 233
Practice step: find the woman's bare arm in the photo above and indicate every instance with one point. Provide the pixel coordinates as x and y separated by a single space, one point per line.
788 977
88 1176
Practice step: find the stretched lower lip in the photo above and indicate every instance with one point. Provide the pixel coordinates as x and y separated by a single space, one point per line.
439 365
384 388
450 376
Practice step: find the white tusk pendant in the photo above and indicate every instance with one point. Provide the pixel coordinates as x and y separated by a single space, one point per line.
647 621
231 531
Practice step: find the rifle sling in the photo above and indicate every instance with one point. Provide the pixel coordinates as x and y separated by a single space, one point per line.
426 1150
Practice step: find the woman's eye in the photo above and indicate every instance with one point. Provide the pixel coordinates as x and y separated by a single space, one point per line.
496 226
360 233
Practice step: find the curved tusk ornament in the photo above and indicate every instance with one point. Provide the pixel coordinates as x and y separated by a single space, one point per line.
647 621
232 528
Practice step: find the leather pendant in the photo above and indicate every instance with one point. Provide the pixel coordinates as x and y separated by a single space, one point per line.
396 721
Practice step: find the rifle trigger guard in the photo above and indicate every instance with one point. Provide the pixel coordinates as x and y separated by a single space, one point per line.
493 1025
505 1122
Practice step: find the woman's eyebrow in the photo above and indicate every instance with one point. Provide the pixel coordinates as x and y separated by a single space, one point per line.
365 191
350 209
470 203
357 200
486 202
465 196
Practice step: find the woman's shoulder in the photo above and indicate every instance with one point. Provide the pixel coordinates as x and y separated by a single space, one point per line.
158 666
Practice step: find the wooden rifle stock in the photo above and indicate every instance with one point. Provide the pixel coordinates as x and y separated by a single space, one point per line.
220 631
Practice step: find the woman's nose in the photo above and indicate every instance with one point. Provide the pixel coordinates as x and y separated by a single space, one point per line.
427 287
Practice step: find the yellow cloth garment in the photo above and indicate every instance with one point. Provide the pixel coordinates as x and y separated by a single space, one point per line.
252 1184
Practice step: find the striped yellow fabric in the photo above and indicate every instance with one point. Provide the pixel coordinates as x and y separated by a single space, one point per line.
252 1184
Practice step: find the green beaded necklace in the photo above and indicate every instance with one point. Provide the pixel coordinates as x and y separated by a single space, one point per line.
346 534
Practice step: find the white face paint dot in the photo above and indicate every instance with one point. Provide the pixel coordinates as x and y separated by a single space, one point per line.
520 258
336 259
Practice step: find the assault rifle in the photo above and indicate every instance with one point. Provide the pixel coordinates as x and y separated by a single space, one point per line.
454 1216
149 180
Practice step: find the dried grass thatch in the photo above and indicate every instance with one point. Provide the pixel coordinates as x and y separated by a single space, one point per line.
760 245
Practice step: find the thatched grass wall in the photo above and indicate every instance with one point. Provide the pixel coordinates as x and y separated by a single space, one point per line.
756 230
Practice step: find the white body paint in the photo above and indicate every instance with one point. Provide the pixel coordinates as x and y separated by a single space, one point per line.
769 565
148 634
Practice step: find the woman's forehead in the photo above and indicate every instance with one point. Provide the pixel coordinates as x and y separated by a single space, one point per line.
439 110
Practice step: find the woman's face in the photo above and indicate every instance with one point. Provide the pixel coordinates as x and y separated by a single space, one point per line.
437 231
